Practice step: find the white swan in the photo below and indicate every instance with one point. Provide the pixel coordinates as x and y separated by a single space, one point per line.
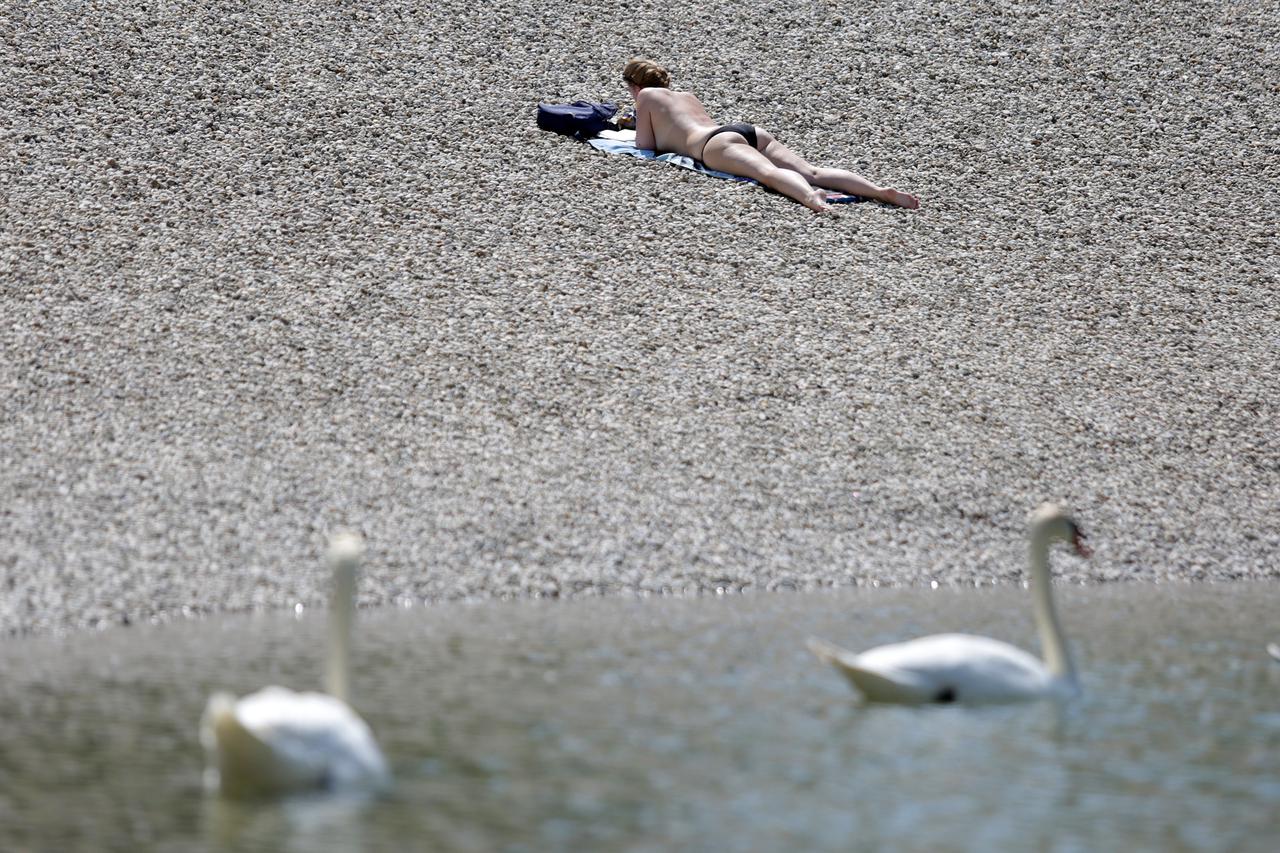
967 668
1273 649
277 741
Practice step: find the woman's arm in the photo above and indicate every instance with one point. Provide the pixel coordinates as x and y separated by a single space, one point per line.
644 122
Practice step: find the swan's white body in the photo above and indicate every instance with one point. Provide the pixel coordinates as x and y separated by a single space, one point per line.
1273 649
967 668
944 668
277 741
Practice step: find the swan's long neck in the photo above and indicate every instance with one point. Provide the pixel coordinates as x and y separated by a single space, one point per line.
1052 643
342 607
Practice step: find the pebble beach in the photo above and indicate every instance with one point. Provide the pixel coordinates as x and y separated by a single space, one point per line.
269 270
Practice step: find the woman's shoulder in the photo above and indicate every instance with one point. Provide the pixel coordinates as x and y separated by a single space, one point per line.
664 98
657 93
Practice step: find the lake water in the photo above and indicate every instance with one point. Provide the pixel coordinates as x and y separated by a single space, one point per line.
672 724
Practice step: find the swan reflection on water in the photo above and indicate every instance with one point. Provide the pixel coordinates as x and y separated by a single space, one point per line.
306 823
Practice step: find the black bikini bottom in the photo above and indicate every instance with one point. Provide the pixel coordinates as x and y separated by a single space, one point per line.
748 132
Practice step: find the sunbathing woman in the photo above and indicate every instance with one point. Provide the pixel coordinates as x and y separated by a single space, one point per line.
676 121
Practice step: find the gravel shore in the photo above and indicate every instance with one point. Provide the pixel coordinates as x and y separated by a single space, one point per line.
272 268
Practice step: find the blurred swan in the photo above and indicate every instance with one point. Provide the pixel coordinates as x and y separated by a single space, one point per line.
968 668
277 741
1273 649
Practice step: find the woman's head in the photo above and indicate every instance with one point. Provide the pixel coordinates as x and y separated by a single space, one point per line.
642 74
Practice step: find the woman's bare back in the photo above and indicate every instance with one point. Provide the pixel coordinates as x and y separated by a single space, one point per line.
667 120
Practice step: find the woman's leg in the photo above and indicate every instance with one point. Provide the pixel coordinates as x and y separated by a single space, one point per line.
729 152
832 179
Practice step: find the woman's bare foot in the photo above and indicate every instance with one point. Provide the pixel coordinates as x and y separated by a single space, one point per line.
898 197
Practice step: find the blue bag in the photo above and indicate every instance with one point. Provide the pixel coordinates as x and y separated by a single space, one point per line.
581 119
